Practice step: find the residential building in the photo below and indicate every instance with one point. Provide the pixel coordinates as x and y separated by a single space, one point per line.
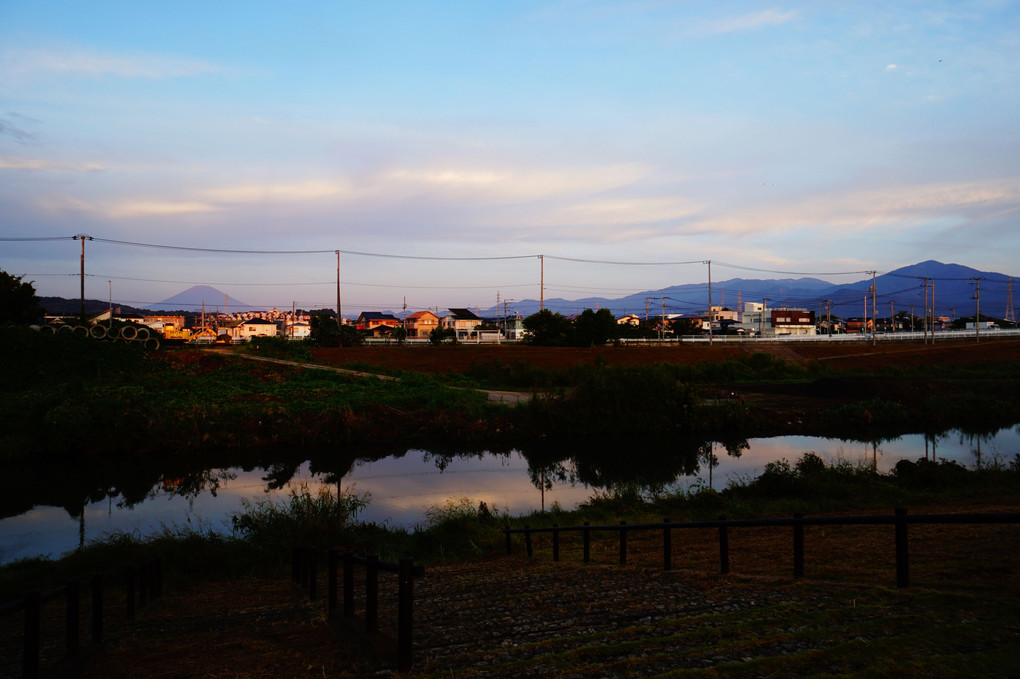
421 324
793 322
463 322
368 321
244 331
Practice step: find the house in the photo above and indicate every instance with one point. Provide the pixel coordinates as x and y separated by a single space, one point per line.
421 323
793 322
243 331
368 321
463 322
297 330
858 325
629 319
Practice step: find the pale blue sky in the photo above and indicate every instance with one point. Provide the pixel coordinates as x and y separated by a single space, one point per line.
801 136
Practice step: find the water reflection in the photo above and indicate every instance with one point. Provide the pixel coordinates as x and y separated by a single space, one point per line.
50 513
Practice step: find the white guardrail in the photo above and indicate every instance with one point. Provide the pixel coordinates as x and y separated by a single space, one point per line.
940 336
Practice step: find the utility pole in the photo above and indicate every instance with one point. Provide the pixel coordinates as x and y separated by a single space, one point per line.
977 317
709 262
874 310
82 237
828 316
892 316
338 290
541 292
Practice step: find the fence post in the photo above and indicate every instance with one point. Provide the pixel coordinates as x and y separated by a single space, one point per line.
332 557
371 592
405 614
97 608
798 545
143 584
527 540
556 542
30 651
724 547
348 583
623 543
508 548
312 555
667 545
129 604
73 614
902 549
586 531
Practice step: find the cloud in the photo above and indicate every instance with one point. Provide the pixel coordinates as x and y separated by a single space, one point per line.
47 166
312 189
154 208
891 67
15 61
9 129
746 22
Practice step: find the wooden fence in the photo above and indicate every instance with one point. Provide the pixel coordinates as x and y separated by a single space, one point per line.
900 520
305 573
143 583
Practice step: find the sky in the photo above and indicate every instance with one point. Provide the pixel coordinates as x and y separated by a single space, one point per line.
626 142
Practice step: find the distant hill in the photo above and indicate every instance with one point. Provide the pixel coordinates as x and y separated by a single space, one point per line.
954 284
58 306
196 296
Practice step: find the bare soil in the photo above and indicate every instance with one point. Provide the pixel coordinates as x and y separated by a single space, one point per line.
459 359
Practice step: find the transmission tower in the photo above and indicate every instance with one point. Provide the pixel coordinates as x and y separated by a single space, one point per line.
1010 316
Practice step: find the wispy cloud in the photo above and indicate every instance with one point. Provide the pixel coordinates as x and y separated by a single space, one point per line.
745 22
9 129
154 208
11 163
16 61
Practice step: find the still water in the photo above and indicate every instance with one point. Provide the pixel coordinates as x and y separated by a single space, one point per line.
403 487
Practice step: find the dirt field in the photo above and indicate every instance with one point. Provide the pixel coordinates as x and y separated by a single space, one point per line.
459 359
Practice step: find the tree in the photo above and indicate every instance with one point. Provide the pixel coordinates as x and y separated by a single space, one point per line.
18 301
548 329
595 328
686 326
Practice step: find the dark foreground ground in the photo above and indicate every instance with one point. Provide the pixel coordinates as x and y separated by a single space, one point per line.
515 617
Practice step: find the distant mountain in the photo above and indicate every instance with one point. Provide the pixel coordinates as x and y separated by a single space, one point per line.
195 297
954 285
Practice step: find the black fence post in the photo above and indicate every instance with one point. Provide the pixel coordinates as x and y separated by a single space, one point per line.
667 545
405 614
97 608
556 542
798 545
313 565
724 547
30 650
143 584
527 540
586 531
73 614
348 583
623 543
902 549
129 604
332 558
371 593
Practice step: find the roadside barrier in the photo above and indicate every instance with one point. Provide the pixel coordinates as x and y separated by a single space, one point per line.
900 520
142 583
305 574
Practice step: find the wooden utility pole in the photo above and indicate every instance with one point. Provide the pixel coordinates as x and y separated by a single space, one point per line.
337 288
541 292
709 262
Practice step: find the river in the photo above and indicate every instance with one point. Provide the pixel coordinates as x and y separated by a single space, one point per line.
404 486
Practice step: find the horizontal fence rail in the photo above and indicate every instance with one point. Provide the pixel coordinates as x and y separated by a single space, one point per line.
305 573
900 520
143 583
